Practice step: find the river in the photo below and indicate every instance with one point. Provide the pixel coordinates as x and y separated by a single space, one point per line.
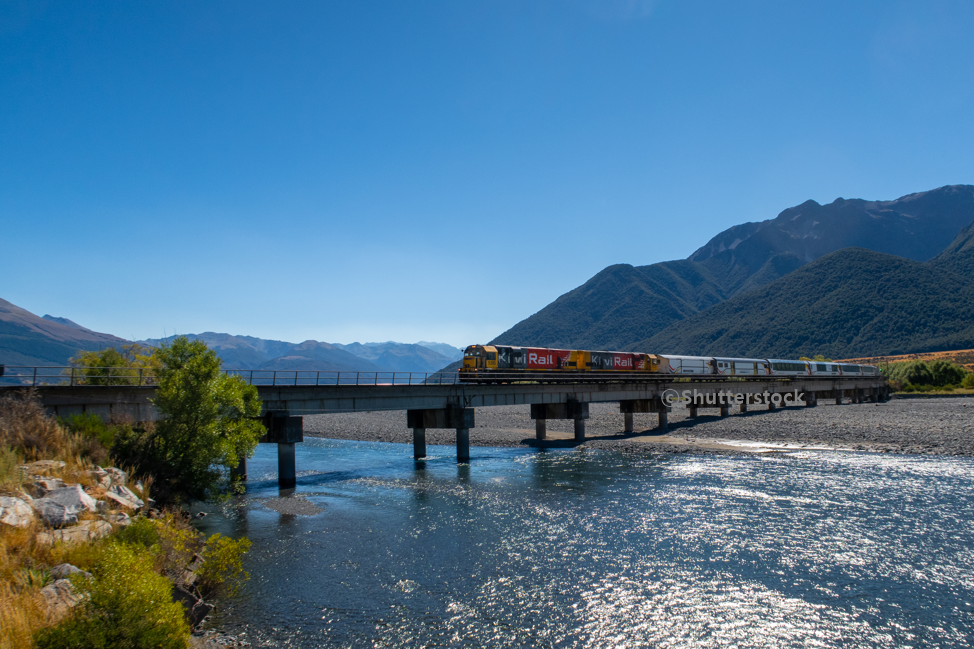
587 548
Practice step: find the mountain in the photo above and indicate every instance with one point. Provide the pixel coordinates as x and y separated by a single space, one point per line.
850 303
399 357
65 322
26 339
620 305
624 304
249 353
958 257
451 352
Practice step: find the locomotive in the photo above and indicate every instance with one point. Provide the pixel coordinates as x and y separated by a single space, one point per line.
486 360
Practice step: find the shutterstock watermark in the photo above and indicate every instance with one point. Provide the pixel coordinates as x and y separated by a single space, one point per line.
728 398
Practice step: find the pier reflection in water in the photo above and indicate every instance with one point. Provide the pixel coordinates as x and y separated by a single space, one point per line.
588 548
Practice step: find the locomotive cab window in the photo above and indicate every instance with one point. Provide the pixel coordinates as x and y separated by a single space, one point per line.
492 356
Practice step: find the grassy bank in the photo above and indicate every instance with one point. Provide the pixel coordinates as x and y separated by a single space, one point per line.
120 572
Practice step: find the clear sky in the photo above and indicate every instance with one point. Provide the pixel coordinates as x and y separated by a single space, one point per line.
368 171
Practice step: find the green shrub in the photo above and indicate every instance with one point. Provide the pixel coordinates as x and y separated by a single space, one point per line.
909 388
222 567
142 532
968 381
90 426
128 606
948 388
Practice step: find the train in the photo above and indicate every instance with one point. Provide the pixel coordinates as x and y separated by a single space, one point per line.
483 361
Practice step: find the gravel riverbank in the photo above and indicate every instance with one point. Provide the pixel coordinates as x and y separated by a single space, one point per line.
942 426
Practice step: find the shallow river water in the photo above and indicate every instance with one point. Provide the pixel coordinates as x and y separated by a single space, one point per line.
585 548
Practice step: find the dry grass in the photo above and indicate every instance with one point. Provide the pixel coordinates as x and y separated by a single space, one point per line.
21 616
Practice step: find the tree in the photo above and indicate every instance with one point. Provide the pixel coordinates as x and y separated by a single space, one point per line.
133 365
208 423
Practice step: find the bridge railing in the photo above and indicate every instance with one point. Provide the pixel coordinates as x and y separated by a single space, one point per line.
31 376
37 376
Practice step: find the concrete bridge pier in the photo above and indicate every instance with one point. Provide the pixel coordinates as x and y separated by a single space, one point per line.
743 407
460 419
724 410
285 431
419 443
628 423
694 412
771 405
630 407
571 409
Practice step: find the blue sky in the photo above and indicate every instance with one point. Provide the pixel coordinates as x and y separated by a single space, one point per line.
362 171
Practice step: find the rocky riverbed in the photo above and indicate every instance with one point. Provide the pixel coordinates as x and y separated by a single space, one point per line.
942 426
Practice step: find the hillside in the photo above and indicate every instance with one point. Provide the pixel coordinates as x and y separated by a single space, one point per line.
850 303
27 339
400 357
958 257
962 357
624 304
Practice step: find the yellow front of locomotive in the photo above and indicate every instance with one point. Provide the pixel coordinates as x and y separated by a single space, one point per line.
479 357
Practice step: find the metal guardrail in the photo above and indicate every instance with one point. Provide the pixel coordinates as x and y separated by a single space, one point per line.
53 376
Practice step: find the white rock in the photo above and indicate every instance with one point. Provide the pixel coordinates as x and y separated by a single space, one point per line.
60 598
15 512
85 531
54 513
120 493
41 488
118 476
121 519
65 570
73 498
43 467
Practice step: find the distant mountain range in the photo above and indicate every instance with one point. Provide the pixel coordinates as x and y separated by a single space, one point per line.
627 307
27 339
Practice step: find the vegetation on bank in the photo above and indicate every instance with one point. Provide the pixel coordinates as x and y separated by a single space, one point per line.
124 590
935 376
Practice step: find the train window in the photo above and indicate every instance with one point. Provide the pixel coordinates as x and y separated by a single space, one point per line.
821 367
492 356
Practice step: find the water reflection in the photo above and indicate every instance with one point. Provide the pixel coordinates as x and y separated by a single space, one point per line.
566 548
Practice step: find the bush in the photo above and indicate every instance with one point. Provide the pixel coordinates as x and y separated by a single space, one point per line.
222 567
131 366
91 426
936 373
209 424
25 427
128 606
968 381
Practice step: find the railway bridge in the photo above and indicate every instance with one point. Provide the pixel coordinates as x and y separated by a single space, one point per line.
445 400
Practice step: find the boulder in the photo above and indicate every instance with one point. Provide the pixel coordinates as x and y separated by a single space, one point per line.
65 570
195 608
101 477
41 488
54 514
121 519
43 467
73 498
84 531
59 599
124 497
118 476
15 512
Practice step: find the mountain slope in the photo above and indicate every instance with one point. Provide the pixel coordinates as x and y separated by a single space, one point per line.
958 257
621 304
26 339
250 353
850 303
399 357
624 304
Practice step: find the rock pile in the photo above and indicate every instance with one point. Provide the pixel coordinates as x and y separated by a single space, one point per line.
69 512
